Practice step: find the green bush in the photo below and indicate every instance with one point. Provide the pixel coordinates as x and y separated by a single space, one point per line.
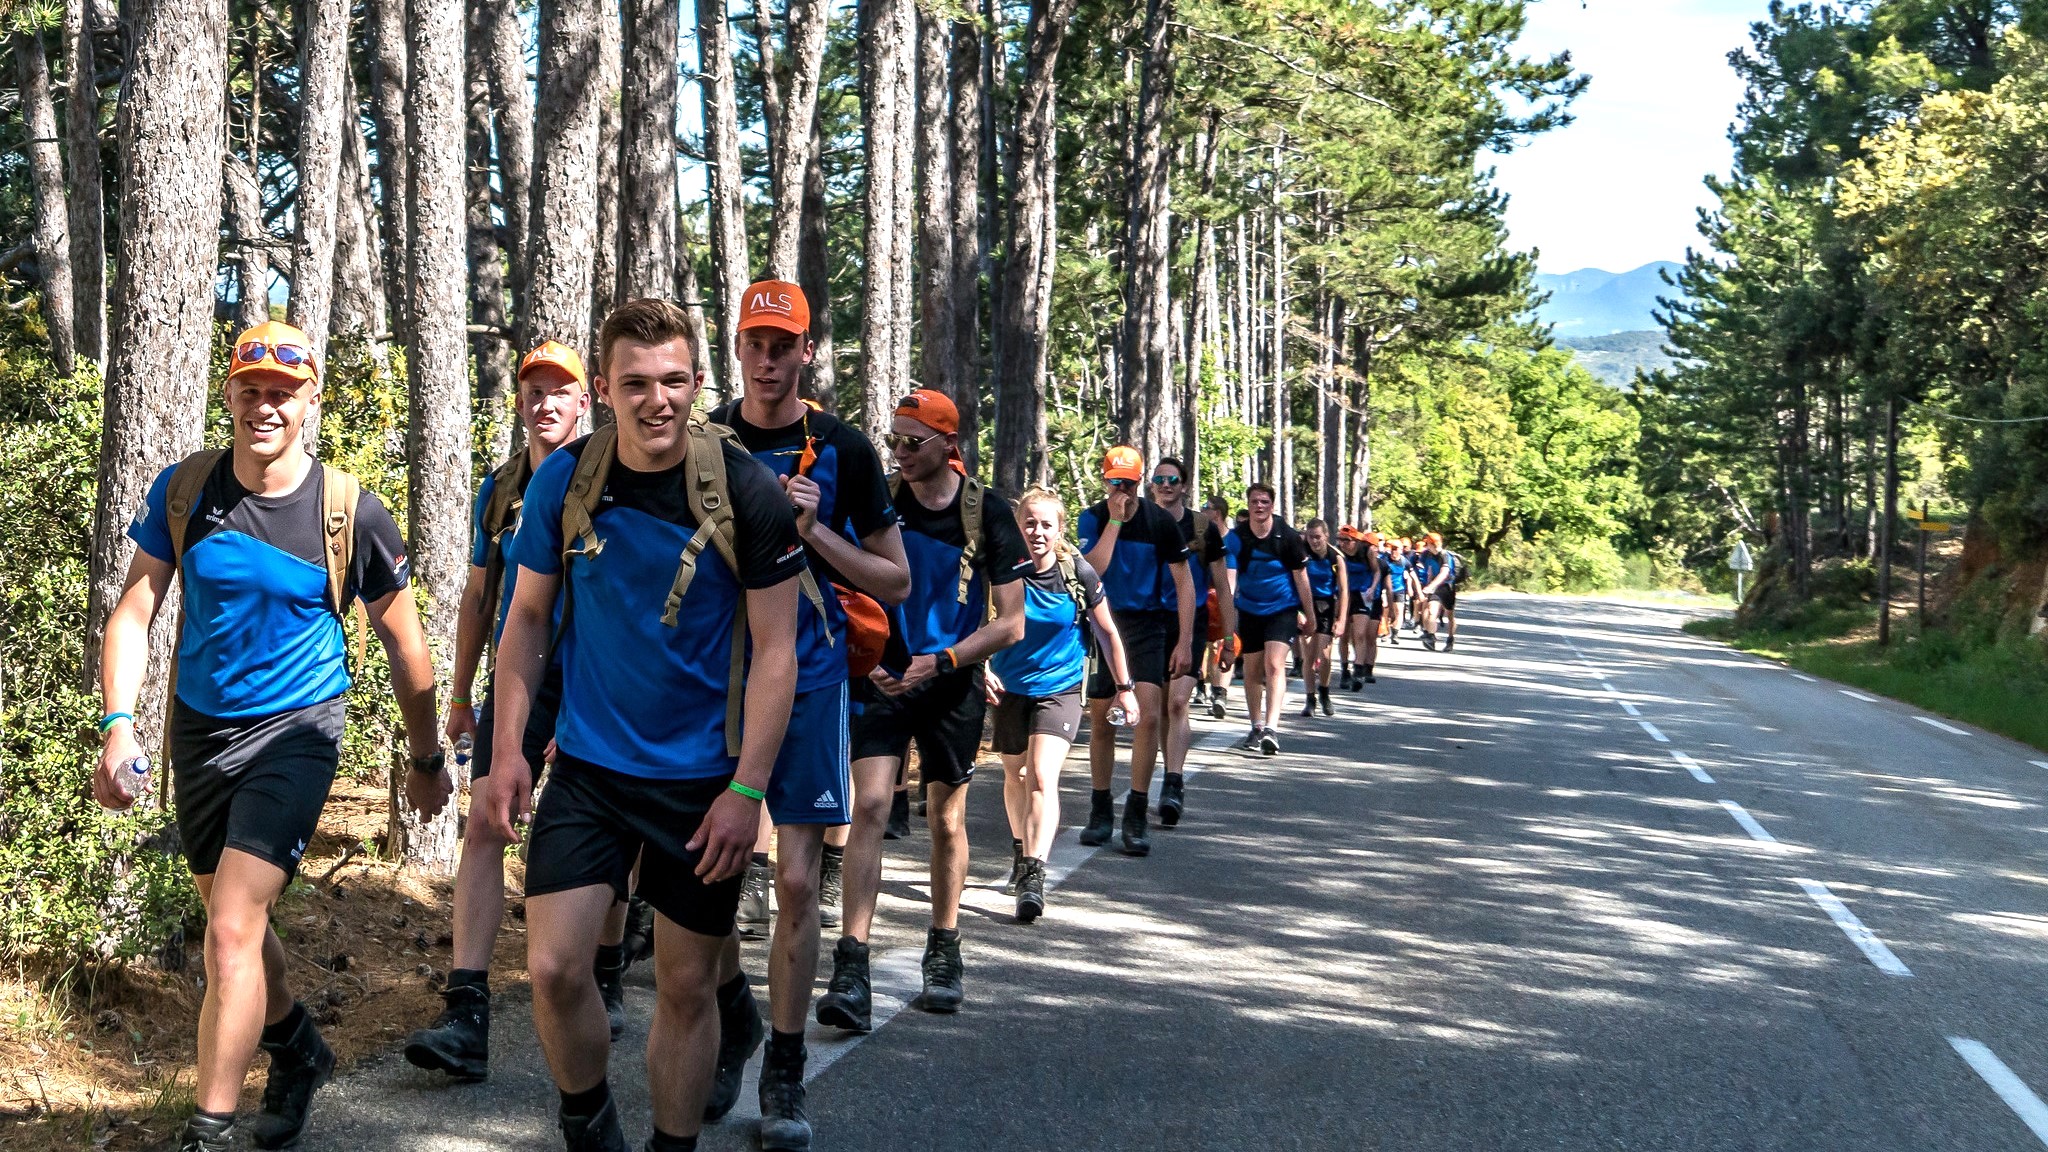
1551 563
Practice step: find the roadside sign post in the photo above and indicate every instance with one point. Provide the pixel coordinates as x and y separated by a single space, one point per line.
1926 527
1741 563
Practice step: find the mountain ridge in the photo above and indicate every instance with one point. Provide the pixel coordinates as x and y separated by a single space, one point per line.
1595 302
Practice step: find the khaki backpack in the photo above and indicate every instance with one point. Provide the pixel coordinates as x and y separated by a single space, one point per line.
710 501
501 517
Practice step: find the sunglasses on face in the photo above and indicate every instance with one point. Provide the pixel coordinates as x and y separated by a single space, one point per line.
289 355
1165 481
1123 485
898 443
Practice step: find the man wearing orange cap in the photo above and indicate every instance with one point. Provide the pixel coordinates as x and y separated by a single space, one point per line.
966 552
553 398
834 480
1438 576
272 548
1269 579
1366 576
1143 558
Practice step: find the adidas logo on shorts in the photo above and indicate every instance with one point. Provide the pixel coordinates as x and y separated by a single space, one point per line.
825 800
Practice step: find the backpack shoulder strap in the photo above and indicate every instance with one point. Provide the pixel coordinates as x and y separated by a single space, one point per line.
586 485
508 483
971 500
339 494
188 480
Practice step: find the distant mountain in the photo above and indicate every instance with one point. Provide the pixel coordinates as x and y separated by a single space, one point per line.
1592 302
1617 357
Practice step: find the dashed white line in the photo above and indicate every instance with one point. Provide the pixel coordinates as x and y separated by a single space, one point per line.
1692 766
2010 1088
1857 696
1756 831
1805 677
1659 737
2039 763
1863 938
1951 729
1628 708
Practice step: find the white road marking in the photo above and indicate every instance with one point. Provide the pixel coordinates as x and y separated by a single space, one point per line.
2039 763
1948 728
2010 1087
1659 737
1756 831
1692 766
1857 696
1863 938
1628 708
1805 677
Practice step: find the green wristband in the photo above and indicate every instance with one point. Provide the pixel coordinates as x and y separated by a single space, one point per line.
749 793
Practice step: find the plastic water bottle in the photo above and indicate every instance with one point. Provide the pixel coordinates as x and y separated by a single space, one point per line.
132 777
463 748
1118 718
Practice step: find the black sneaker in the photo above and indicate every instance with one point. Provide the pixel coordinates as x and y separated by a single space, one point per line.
831 889
639 931
899 818
599 1133
458 1042
1448 641
206 1134
1269 745
1323 698
755 912
1101 820
942 971
1135 840
848 1001
1368 680
740 1032
1016 868
611 987
1429 641
1172 798
1031 891
1251 739
298 1067
784 1126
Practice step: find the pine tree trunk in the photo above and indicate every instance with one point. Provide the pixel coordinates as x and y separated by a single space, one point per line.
504 33
793 138
647 154
438 472
88 210
562 236
486 257
727 212
252 255
168 126
359 304
1020 322
935 186
1359 476
1145 410
886 61
769 79
323 66
394 155
814 272
604 265
1202 307
968 251
688 289
46 184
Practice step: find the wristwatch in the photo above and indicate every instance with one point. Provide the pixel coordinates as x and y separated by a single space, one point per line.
1131 687
431 765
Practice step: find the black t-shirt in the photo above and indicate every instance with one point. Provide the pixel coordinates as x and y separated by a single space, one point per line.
854 496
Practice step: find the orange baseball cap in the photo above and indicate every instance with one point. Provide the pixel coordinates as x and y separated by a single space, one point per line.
558 355
775 304
1372 538
1433 538
1123 463
276 348
1347 532
934 410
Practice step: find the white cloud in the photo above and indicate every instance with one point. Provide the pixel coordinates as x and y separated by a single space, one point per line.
1619 188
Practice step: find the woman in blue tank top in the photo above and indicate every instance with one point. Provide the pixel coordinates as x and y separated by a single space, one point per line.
1036 683
1328 588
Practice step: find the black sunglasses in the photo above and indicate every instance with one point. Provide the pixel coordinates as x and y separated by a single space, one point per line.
898 443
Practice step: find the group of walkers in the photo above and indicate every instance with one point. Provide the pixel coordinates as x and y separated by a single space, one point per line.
720 636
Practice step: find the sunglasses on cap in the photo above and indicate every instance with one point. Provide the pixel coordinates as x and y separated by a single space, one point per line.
289 355
900 443
1163 479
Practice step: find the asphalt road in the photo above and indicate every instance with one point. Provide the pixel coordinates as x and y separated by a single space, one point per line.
1584 883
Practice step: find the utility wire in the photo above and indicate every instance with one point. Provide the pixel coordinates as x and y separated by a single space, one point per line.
1947 415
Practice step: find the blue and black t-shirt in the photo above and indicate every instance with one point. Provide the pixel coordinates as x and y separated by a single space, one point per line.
1265 566
1427 565
853 500
1362 570
932 618
1322 573
1053 656
1139 577
1397 574
259 636
638 696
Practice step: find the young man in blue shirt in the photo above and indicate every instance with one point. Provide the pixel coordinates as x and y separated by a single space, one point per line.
677 683
1268 579
254 728
1439 595
1202 531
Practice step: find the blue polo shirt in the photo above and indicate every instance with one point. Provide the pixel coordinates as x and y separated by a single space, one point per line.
932 618
1322 574
1265 567
1053 656
1139 577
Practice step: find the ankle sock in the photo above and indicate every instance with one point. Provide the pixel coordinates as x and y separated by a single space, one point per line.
610 958
470 978
832 853
663 1142
282 1031
786 1050
1101 797
760 859
214 1118
732 991
588 1102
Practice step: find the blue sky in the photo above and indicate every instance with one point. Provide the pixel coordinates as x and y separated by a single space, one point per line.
1620 187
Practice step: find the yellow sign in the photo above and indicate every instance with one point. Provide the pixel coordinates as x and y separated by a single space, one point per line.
1931 525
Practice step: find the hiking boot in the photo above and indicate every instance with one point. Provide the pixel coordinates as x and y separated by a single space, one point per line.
1269 745
1250 743
899 818
831 889
1031 891
1429 641
1323 698
1135 841
1101 820
784 1126
1016 868
298 1067
1448 641
639 939
740 1032
611 987
1172 798
849 1000
206 1134
754 914
599 1133
458 1042
1308 710
942 970
1217 711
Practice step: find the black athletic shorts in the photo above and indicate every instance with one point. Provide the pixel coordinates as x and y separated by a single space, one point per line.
1447 596
944 716
1019 718
592 823
540 725
1148 649
256 784
1257 630
1326 617
1370 609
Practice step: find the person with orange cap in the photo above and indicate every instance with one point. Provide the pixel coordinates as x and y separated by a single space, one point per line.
1366 575
553 399
271 548
1438 571
1327 583
1400 588
850 531
1201 530
966 553
1269 578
